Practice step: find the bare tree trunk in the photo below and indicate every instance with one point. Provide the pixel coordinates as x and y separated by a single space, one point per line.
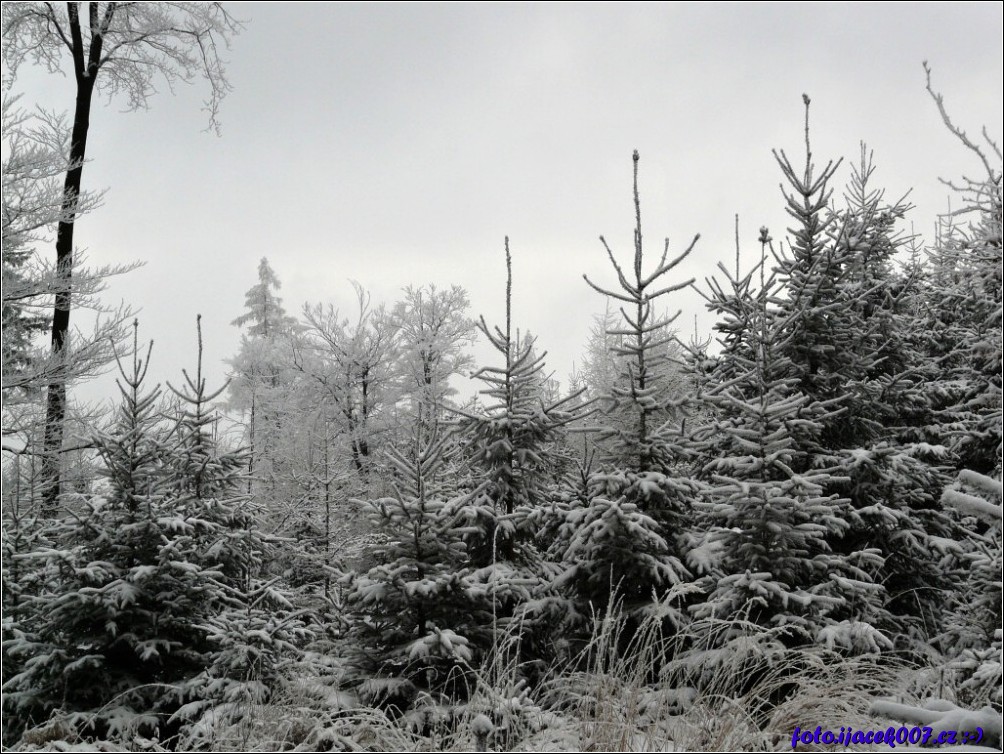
55 413
85 71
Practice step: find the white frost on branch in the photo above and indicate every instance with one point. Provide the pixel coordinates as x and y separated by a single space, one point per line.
985 506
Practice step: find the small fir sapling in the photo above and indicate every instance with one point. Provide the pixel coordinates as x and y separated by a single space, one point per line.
842 337
125 638
411 623
251 625
622 531
767 510
516 451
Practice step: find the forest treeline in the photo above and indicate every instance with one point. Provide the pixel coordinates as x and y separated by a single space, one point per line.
823 474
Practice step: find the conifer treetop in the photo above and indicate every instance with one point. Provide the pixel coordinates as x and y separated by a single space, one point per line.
643 334
265 312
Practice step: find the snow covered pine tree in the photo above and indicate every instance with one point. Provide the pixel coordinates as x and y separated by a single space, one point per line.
622 535
515 447
844 340
139 578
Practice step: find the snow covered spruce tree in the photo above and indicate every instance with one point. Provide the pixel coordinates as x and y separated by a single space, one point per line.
765 556
958 322
138 578
251 626
622 530
894 479
260 388
410 619
94 632
958 331
514 450
844 338
605 375
290 445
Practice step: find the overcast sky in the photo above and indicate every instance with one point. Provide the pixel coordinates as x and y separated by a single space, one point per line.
398 144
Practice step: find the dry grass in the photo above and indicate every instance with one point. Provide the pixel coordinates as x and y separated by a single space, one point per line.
717 686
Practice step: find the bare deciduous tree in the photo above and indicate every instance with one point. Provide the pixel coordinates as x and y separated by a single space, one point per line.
349 363
116 49
35 160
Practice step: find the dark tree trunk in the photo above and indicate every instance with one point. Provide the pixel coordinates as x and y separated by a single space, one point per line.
85 66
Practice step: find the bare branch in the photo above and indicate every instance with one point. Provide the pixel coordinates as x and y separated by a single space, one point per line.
939 100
